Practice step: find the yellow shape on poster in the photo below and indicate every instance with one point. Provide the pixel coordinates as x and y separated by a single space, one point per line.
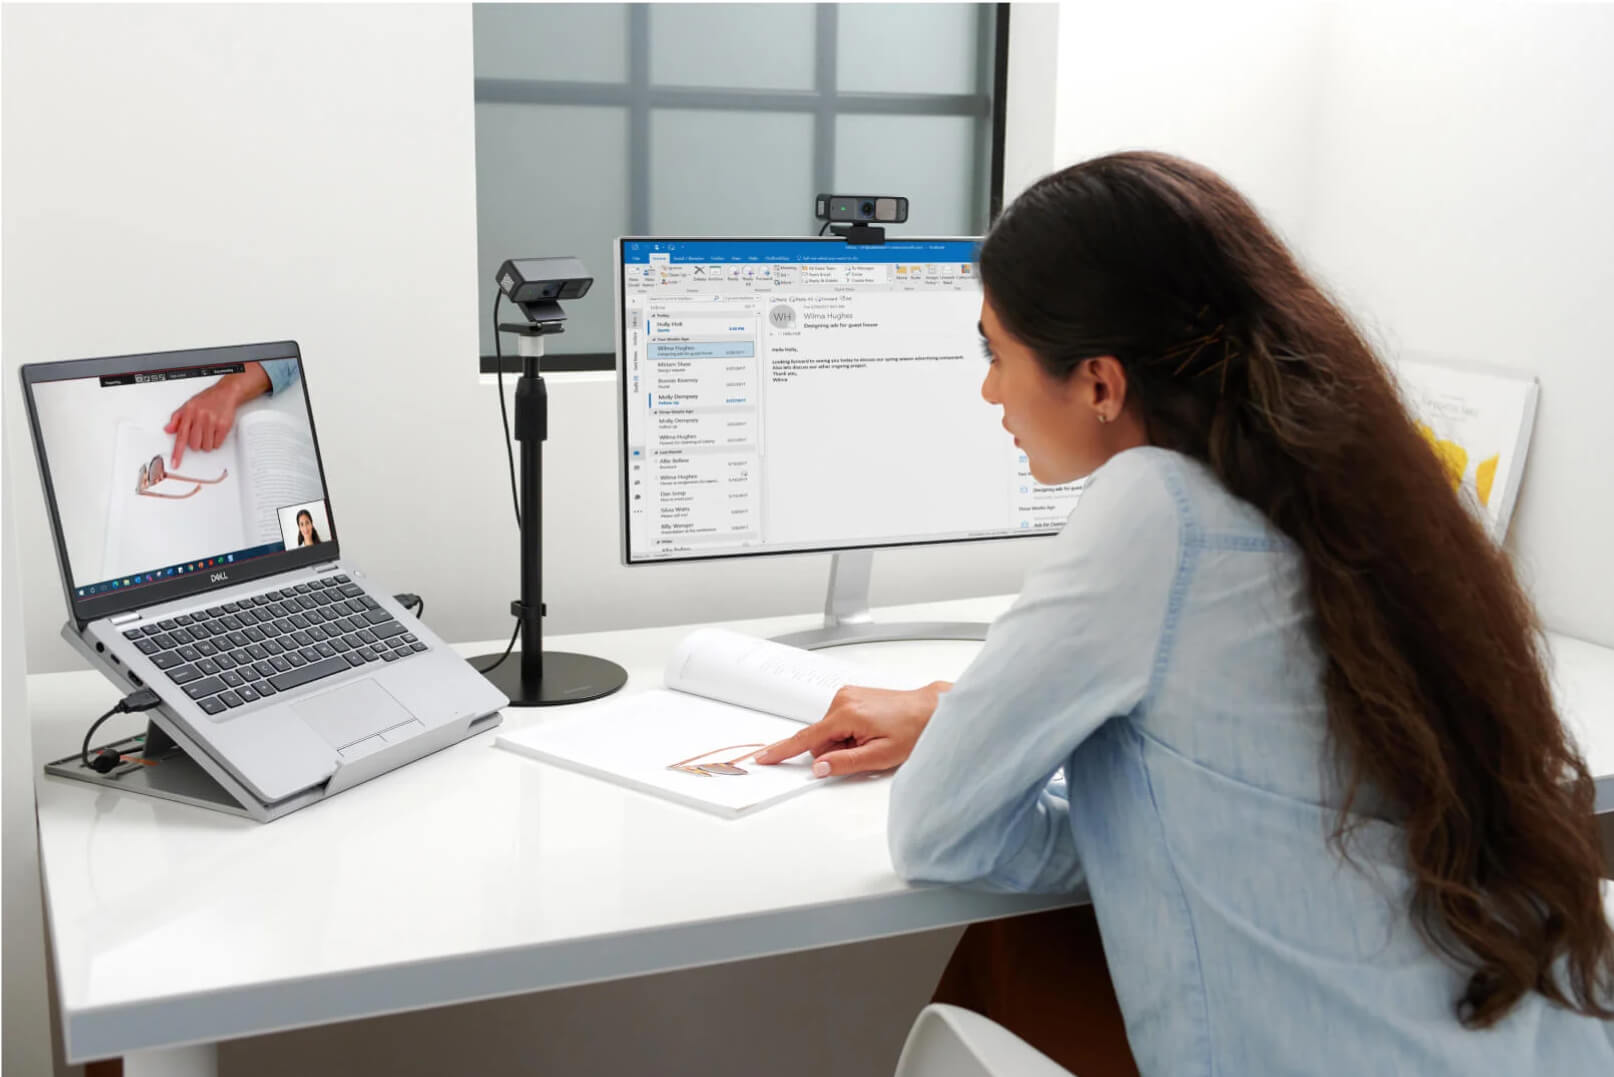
1452 455
1484 475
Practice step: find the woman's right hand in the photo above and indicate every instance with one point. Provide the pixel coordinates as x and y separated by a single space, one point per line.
864 729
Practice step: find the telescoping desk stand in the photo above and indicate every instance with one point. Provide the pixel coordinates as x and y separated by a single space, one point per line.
541 678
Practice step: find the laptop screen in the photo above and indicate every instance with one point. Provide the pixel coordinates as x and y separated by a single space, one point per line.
179 471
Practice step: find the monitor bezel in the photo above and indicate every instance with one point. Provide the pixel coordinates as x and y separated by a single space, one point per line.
95 607
620 321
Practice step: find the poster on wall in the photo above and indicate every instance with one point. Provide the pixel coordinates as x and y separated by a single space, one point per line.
1478 421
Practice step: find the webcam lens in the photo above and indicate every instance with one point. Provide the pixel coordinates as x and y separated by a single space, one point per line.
865 209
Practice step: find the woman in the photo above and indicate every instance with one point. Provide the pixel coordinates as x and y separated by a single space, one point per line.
1291 698
306 535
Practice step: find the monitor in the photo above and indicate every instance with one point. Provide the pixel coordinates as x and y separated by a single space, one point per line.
788 395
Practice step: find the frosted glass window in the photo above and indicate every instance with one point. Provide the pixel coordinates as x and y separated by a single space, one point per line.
534 201
908 48
600 120
737 46
555 42
939 163
730 173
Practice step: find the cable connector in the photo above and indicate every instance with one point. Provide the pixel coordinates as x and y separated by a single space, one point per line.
106 759
414 603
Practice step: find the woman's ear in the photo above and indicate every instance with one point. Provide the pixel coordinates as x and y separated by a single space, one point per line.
1107 378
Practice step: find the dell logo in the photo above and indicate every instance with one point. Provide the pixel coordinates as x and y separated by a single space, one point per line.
218 577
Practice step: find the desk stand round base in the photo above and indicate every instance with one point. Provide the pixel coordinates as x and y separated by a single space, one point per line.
568 678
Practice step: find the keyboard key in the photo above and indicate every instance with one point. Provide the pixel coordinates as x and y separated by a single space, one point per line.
164 626
376 616
213 706
165 641
189 654
342 644
417 646
303 588
254 635
263 669
392 628
231 607
205 647
230 699
232 678
238 639
187 674
224 661
353 658
147 646
263 688
369 654
325 649
246 693
256 651
388 656
274 646
166 660
184 619
206 687
367 636
352 590
280 663
206 665
341 578
310 654
215 611
312 672
402 652
181 635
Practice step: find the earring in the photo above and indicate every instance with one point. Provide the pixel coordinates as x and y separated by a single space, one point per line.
1103 418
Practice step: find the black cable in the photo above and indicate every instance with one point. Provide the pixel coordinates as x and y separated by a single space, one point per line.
413 603
507 649
509 453
498 356
143 700
824 229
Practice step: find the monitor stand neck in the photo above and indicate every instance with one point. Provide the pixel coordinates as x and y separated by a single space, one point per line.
847 618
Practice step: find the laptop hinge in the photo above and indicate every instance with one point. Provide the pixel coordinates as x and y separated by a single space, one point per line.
326 567
123 618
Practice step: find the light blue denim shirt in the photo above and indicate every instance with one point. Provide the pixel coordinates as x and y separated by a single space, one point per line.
1166 658
282 372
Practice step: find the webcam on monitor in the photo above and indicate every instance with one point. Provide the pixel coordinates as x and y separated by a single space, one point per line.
862 208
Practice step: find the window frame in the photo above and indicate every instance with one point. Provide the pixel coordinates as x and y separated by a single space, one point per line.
639 97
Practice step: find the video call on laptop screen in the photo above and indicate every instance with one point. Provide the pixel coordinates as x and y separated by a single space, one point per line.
139 505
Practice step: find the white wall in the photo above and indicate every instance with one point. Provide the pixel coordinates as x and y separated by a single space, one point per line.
1444 169
1462 207
1232 86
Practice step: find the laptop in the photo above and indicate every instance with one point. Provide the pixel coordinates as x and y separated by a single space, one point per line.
202 558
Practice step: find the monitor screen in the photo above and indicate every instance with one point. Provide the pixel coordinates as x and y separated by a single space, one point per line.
792 395
152 486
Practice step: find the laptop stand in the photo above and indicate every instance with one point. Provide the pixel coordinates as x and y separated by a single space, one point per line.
174 767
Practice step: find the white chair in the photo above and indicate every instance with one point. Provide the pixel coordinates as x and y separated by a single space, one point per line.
947 1041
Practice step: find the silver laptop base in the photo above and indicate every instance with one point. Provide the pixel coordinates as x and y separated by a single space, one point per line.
186 773
847 618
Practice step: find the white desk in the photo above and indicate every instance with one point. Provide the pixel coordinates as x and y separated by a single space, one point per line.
476 873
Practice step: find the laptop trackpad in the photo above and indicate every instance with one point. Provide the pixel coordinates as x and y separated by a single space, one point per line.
352 713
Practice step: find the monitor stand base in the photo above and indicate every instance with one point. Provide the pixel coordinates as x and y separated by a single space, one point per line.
847 619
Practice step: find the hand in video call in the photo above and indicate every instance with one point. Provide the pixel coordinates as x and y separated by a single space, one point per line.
203 421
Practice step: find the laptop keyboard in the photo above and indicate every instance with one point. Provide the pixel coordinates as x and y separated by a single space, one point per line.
227 656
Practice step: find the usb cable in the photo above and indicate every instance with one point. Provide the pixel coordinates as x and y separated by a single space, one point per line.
106 758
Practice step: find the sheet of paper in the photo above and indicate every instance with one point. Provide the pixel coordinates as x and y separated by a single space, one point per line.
632 741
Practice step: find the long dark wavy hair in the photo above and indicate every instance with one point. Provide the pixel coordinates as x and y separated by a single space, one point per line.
1436 691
